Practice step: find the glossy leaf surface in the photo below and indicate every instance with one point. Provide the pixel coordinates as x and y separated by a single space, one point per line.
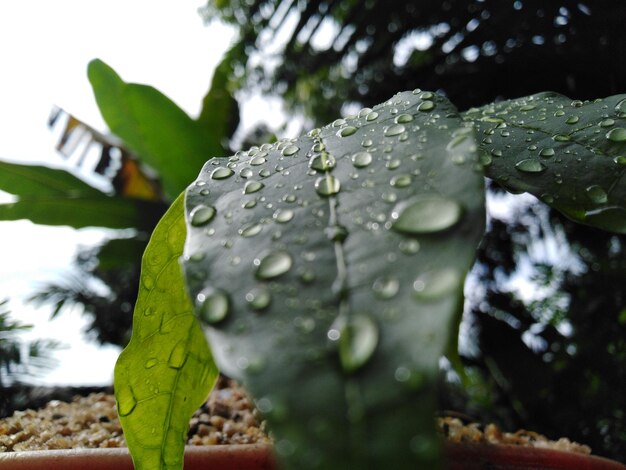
166 371
570 154
328 271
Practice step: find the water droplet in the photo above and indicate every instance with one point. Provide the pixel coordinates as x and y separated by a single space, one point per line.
401 181
436 284
425 214
150 363
426 106
395 129
561 138
327 185
178 356
264 173
361 159
336 233
572 120
250 230
547 152
620 160
258 160
617 135
367 143
527 107
403 118
530 165
597 194
201 215
213 305
249 204
259 298
386 287
290 150
346 131
620 108
392 164
371 116
607 123
246 173
252 187
496 152
559 113
427 95
322 162
221 173
339 122
273 264
283 216
358 338
409 246
126 401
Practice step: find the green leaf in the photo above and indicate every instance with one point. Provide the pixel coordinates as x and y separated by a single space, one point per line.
166 371
570 154
152 125
329 270
34 180
219 116
53 196
118 253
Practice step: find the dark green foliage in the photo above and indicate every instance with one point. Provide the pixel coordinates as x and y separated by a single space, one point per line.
473 50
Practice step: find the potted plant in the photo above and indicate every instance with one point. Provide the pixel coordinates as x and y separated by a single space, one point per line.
326 272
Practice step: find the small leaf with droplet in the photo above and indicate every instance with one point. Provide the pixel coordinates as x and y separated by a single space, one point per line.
579 167
165 331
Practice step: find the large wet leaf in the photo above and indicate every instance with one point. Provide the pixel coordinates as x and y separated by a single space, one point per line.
570 154
166 371
328 272
154 127
52 196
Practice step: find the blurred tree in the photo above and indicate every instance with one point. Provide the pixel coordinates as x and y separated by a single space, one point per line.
323 54
547 330
156 150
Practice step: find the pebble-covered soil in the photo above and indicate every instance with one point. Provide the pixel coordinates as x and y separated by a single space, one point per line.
227 417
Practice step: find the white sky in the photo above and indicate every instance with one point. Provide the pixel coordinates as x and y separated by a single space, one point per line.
45 47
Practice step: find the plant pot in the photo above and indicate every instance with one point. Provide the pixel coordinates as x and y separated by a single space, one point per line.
260 457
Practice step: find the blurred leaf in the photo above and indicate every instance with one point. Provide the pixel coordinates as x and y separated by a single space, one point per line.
153 126
331 280
33 180
84 211
167 371
219 116
120 252
55 197
569 154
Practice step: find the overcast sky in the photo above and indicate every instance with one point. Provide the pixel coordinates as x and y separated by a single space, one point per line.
45 48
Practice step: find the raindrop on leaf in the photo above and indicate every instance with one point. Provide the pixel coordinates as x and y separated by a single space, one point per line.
221 173
201 215
425 214
273 264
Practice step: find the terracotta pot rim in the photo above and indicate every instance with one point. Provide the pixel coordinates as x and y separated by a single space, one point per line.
467 456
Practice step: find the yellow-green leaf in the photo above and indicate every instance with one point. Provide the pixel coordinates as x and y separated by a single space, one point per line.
167 370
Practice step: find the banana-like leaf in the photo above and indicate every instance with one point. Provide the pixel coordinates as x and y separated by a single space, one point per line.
166 371
55 197
152 125
328 271
570 154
